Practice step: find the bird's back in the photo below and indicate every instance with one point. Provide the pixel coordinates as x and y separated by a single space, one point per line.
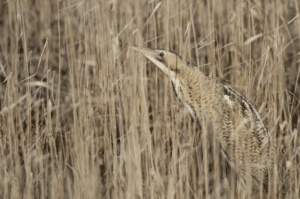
245 139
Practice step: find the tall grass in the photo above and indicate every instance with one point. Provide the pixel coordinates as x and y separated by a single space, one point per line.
83 117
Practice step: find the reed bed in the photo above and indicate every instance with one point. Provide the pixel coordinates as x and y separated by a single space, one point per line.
81 116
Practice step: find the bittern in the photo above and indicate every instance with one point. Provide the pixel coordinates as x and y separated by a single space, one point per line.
246 143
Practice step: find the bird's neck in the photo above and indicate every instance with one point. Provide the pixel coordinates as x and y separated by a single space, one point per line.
188 73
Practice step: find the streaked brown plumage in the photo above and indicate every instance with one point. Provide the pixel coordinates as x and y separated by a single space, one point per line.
244 137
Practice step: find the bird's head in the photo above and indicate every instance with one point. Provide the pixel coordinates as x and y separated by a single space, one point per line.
168 62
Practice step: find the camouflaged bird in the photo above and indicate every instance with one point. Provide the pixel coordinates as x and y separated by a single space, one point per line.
245 140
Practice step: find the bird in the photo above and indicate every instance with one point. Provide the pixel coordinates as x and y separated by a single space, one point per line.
245 140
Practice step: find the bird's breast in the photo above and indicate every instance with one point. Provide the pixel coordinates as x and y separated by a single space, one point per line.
180 92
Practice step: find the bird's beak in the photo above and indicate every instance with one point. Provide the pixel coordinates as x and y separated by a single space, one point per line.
153 56
134 48
145 51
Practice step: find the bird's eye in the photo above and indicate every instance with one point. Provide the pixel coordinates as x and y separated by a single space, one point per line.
161 54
